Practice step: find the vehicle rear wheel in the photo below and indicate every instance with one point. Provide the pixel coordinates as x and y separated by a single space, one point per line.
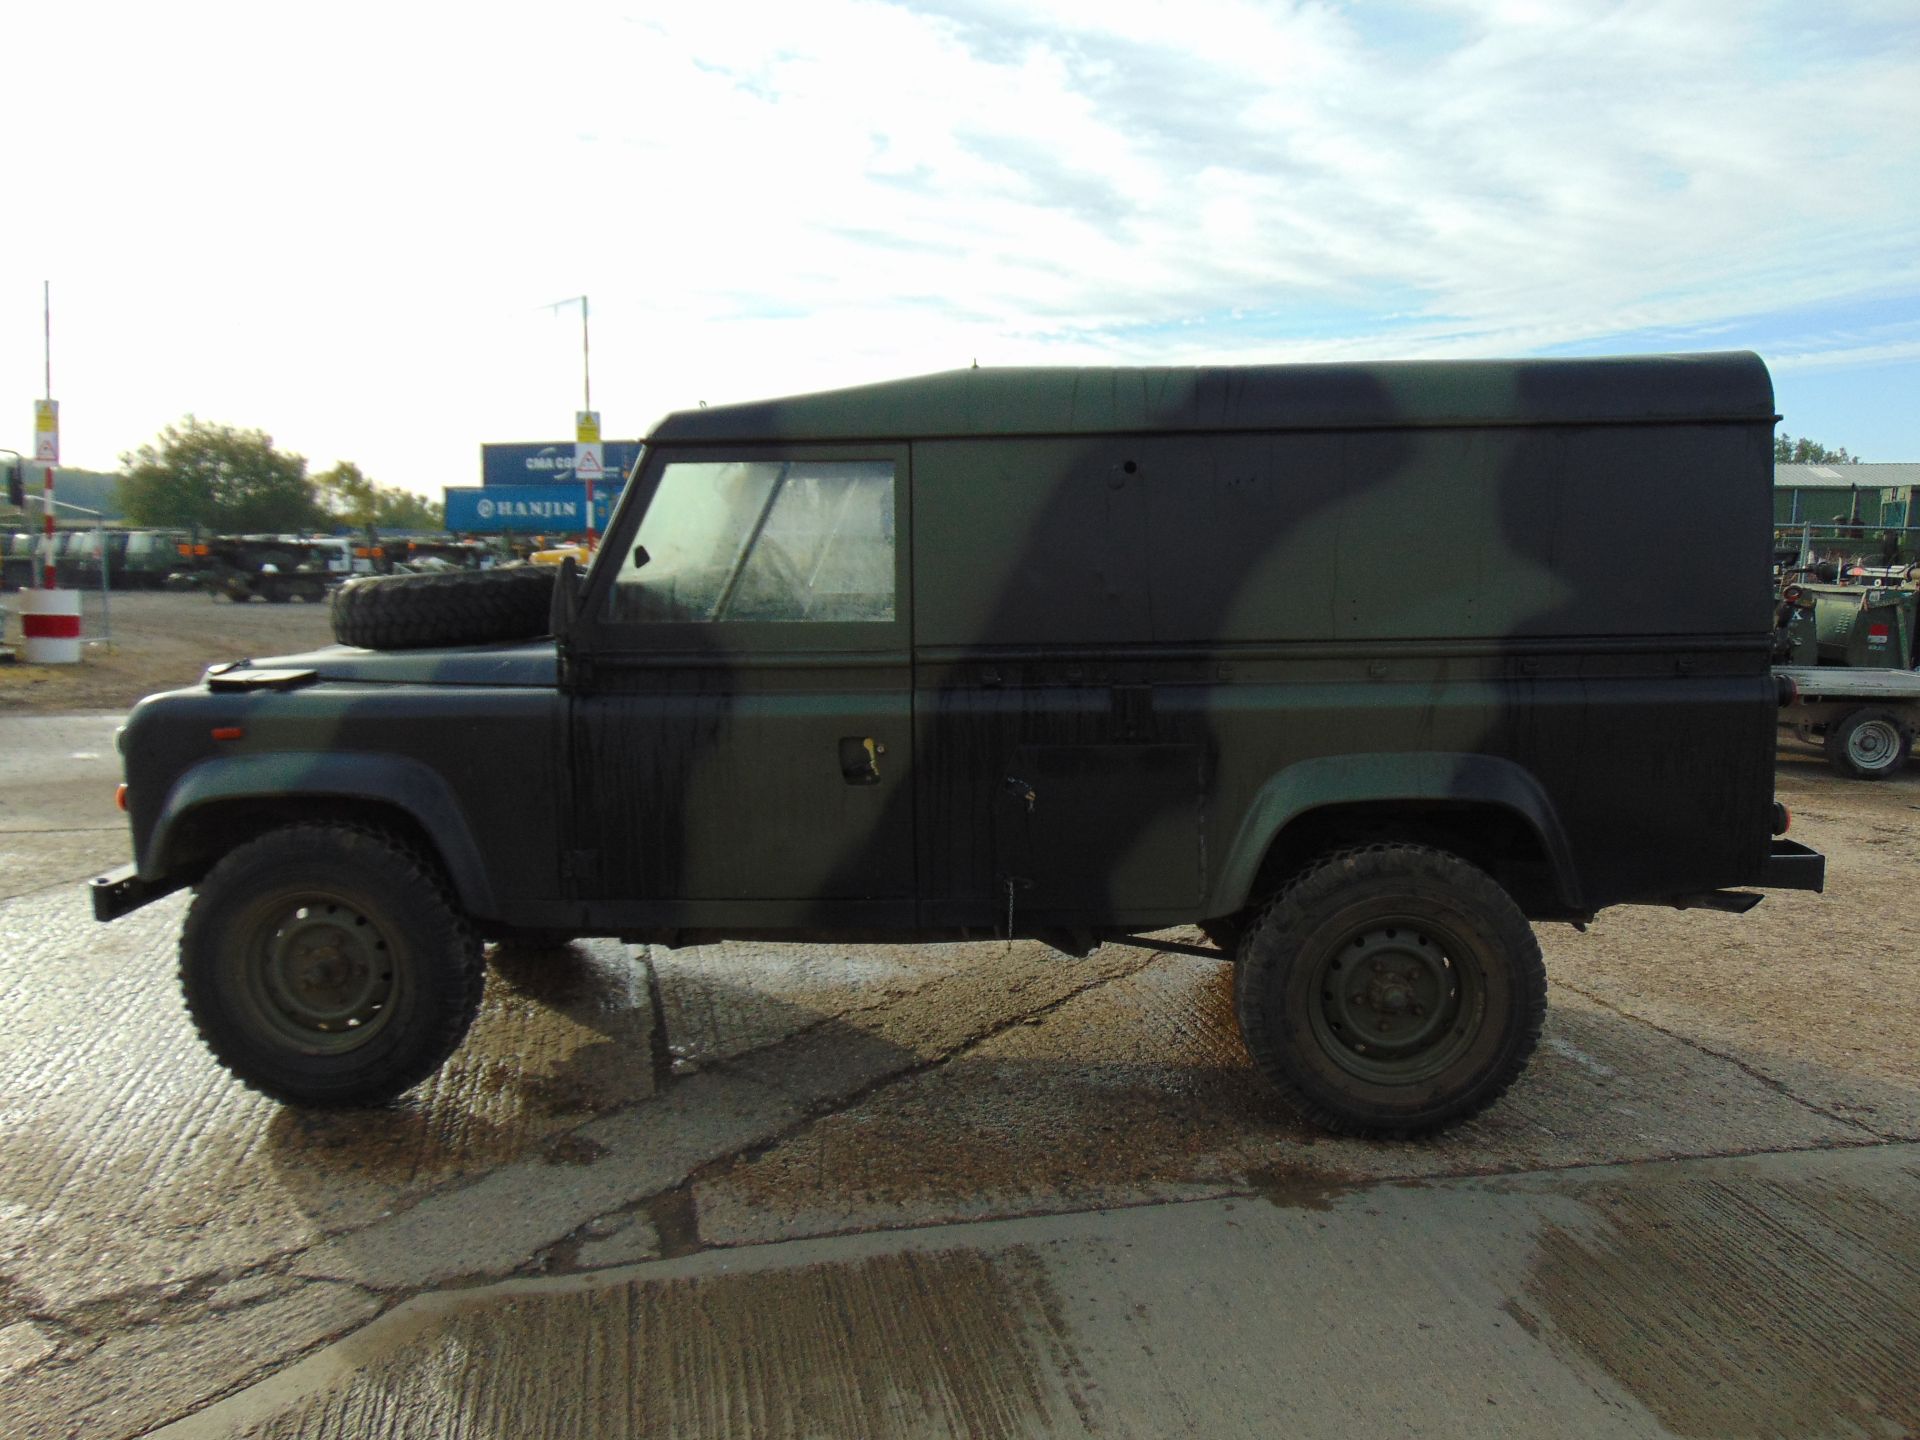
328 965
1869 744
1391 991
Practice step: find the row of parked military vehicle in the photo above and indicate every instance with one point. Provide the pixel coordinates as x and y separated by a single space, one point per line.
241 567
136 559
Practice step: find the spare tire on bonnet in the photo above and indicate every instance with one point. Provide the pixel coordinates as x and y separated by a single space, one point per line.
457 607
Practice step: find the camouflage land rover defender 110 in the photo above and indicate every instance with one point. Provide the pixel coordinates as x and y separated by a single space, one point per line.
1358 668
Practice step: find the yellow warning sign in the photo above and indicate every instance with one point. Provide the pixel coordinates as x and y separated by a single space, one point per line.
586 427
46 429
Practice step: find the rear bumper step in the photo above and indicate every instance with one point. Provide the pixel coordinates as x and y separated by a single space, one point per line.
1793 866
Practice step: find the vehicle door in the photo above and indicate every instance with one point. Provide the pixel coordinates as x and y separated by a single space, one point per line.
743 706
1063 757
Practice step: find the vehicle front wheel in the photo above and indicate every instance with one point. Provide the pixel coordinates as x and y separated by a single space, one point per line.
328 965
1391 991
1869 744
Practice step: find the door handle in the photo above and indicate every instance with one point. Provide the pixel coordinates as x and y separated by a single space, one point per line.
860 759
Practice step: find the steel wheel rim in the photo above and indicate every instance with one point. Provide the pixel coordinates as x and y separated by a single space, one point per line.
1873 745
1398 1000
319 973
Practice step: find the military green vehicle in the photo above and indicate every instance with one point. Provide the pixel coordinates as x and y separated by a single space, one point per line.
1358 668
1848 653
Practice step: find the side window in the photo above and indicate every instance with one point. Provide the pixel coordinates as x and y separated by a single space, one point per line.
763 540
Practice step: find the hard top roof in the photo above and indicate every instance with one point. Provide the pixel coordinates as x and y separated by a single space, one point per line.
1731 385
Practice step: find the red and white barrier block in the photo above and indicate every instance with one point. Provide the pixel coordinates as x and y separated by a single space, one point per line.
50 626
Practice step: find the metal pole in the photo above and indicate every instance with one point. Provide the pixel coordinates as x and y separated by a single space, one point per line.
106 606
33 558
586 382
49 580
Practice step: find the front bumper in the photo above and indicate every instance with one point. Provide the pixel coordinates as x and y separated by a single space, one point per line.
1792 866
121 892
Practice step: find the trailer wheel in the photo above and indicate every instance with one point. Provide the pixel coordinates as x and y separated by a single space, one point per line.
1390 991
328 965
1869 744
456 607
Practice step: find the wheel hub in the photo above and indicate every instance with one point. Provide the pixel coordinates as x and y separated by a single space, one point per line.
1391 995
325 971
1873 744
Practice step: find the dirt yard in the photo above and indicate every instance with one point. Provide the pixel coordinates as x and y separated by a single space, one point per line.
151 641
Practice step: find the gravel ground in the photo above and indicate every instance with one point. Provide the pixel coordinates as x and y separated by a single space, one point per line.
151 641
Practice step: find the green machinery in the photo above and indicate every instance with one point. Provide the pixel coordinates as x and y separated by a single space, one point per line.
1852 625
1849 652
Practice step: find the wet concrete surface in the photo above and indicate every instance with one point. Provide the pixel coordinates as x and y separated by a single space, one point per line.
923 1159
1776 1296
57 817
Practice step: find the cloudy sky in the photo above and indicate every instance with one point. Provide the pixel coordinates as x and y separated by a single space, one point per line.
344 228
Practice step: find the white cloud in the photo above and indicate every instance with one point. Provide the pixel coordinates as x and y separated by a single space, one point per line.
340 227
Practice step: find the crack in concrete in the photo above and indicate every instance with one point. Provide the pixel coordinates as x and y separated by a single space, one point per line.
671 1210
658 1041
834 1105
1777 1086
187 1300
267 1369
561 1271
513 1283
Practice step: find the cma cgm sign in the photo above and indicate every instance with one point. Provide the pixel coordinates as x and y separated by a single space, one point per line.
538 464
492 509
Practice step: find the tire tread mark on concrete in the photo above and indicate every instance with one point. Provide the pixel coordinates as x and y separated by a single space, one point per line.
925 1343
1754 1306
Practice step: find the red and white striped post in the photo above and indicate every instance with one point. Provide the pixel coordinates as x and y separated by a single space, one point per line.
47 545
49 616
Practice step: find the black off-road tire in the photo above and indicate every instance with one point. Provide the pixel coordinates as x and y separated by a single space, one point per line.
1869 744
329 965
455 607
1390 991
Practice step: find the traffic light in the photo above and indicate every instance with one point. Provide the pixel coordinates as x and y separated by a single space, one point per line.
16 485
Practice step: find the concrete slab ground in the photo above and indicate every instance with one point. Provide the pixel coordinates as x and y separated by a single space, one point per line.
1659 1299
971 1189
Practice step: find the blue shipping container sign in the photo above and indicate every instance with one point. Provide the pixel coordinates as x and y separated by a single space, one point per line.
493 509
549 464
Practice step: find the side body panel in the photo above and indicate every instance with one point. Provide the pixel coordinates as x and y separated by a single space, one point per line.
1176 646
479 772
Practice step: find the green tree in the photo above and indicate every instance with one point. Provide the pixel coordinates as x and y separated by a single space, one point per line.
216 477
1789 451
348 495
